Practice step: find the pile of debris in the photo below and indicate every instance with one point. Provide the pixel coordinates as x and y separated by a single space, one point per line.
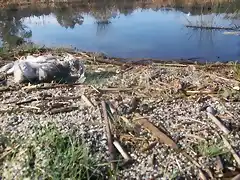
45 68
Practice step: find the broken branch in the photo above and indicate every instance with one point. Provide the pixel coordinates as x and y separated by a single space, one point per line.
109 135
218 123
228 145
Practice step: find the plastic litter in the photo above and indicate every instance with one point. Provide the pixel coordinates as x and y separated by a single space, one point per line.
45 68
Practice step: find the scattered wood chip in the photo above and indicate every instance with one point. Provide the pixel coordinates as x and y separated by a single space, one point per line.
161 136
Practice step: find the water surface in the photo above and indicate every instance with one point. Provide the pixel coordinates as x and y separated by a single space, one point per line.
126 31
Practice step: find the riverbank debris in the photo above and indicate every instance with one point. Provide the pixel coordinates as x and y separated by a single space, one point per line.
45 68
147 109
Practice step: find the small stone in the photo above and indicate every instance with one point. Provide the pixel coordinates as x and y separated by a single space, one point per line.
211 110
144 108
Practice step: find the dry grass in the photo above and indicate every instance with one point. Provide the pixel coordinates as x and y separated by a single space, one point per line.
149 3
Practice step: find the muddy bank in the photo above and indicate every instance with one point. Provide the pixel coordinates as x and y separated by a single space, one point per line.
173 121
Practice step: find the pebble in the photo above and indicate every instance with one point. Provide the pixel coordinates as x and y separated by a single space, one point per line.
211 110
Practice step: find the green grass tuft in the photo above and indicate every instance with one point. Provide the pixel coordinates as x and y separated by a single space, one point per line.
55 155
211 149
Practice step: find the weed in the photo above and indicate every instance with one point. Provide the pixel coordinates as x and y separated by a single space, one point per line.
211 149
175 174
55 155
236 70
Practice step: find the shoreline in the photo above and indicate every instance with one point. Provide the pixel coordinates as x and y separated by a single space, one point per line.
100 57
159 114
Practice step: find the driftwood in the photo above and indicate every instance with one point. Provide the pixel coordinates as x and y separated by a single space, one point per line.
109 136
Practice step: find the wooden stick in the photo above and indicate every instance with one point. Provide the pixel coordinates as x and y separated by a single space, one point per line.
235 155
27 101
63 109
195 136
219 165
218 123
116 89
121 150
200 92
30 107
109 136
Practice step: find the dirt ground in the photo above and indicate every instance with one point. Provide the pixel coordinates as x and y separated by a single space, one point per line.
173 120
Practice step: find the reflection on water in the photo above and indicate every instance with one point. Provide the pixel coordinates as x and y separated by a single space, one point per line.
133 29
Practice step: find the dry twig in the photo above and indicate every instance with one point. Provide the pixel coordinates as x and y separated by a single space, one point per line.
63 110
235 155
109 136
218 123
121 150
